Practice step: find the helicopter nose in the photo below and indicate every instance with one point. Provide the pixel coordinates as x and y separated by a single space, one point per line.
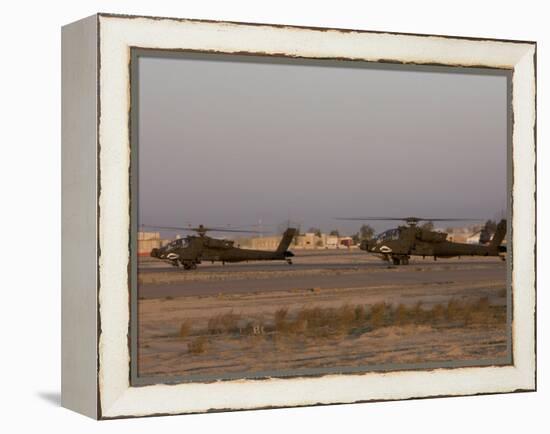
155 253
364 245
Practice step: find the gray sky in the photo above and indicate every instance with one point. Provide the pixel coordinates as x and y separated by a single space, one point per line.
232 142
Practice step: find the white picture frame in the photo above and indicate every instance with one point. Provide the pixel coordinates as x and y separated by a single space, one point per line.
96 315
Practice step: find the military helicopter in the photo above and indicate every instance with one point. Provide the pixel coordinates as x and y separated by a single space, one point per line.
193 249
400 243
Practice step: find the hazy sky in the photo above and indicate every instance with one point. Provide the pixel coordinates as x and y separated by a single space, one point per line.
232 142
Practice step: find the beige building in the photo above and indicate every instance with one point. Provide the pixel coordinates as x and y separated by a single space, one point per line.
309 240
259 243
468 234
148 241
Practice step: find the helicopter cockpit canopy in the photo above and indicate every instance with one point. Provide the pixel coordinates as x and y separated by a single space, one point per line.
178 243
389 235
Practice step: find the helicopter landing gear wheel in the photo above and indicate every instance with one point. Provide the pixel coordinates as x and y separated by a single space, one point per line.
400 260
189 265
289 261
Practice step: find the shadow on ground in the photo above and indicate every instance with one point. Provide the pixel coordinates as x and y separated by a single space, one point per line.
52 398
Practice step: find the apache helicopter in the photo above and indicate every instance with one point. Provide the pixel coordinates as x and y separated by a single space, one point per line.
194 249
399 244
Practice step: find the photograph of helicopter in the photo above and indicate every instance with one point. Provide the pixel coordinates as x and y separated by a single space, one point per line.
283 146
399 244
193 249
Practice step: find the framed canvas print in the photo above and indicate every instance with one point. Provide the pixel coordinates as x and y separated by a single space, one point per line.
262 216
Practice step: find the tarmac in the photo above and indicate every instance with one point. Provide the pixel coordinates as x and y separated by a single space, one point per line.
314 270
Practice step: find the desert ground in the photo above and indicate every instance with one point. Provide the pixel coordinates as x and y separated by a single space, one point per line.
331 310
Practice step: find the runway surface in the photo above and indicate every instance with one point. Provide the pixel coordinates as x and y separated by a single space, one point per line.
313 270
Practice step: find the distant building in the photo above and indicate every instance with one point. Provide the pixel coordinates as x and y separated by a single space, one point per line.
259 243
309 240
468 234
346 242
331 242
148 241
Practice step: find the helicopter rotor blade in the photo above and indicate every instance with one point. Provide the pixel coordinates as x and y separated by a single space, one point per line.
407 219
451 220
199 229
168 228
368 218
209 229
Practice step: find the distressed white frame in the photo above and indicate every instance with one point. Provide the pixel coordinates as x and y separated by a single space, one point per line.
116 35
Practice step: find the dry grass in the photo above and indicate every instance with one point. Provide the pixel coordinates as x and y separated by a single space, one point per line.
378 315
325 322
224 323
454 313
319 322
280 316
360 312
185 329
288 328
198 345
